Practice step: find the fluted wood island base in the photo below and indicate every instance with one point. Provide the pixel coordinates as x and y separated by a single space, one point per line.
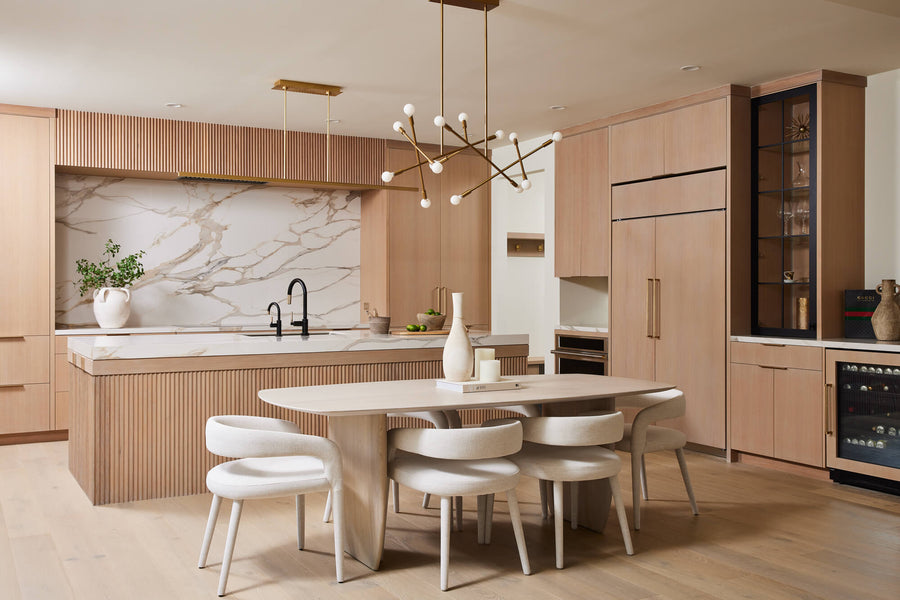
138 409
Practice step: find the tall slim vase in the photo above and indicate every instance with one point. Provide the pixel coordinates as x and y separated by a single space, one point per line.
458 356
886 318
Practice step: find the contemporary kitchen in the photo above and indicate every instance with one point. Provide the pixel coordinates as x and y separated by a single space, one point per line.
491 298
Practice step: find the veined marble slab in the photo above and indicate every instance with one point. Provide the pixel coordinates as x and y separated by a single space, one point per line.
217 253
583 328
229 344
832 344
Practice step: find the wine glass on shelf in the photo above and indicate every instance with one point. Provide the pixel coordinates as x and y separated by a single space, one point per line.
785 215
802 214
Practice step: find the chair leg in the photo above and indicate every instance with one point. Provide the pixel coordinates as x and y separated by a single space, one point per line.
558 521
687 479
542 488
644 487
426 498
327 514
210 528
236 506
482 505
301 520
573 497
636 490
395 495
338 501
620 511
488 517
516 517
446 504
459 513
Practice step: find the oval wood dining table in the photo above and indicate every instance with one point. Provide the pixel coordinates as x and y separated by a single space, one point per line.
357 422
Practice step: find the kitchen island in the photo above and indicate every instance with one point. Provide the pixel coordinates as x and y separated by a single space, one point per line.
139 404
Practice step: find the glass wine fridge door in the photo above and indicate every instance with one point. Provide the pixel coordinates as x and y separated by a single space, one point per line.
868 413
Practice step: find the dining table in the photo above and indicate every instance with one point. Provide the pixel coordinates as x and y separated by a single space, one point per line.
357 423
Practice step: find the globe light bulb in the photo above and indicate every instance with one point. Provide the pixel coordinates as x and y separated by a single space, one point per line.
518 189
409 109
513 136
526 184
437 167
398 126
499 134
455 199
556 137
439 121
425 202
463 117
387 176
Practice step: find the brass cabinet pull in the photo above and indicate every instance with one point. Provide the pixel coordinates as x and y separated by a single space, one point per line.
829 394
656 296
12 385
772 367
651 305
773 345
436 300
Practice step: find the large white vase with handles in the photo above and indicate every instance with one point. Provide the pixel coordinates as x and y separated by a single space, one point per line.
458 356
112 307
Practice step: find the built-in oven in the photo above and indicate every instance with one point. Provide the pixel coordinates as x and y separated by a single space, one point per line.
862 418
581 352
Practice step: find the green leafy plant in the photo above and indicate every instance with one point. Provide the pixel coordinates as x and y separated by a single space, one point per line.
107 273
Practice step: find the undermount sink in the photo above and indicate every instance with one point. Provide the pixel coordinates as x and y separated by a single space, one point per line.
292 333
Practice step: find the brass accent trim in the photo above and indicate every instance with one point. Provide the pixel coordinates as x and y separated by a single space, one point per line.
829 392
305 87
274 181
473 4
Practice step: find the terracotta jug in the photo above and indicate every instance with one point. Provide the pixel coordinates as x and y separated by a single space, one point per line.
886 319
458 355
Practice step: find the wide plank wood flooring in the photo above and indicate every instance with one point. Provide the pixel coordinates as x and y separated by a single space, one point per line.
761 534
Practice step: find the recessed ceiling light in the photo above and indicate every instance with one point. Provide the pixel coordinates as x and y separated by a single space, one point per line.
691 68
173 105
557 107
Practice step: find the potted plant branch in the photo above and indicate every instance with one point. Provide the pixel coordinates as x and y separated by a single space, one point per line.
109 280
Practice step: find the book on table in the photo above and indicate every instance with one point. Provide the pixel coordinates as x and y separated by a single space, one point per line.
478 386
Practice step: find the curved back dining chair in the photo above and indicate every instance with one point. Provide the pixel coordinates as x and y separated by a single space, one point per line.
274 459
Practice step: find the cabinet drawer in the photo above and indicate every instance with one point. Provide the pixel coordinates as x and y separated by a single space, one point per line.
25 360
688 193
25 408
783 356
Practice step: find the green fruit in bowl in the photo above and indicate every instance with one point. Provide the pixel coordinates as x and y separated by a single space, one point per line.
430 311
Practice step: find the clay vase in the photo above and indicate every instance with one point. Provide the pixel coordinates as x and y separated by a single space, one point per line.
886 319
458 355
112 307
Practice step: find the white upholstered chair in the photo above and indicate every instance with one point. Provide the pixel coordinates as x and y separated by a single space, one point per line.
459 462
569 449
640 438
274 460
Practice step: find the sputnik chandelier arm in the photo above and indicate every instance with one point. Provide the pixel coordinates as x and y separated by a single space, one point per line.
436 163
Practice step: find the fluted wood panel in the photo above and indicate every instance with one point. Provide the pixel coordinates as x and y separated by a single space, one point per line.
141 436
121 142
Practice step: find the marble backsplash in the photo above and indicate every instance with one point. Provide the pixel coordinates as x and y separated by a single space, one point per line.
217 253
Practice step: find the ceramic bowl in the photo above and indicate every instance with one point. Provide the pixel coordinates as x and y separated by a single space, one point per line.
433 322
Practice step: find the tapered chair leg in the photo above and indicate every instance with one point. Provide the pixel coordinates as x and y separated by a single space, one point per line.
210 529
687 479
426 498
644 487
573 497
446 503
338 501
516 517
236 506
542 487
489 517
301 521
459 513
558 521
326 516
481 506
620 511
636 490
395 496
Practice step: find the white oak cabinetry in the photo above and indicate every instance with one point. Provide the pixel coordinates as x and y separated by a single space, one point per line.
693 138
777 403
26 305
582 205
413 258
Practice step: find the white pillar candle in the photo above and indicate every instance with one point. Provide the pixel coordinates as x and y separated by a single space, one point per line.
490 370
480 355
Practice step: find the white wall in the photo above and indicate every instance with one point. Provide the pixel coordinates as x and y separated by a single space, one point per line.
882 178
524 292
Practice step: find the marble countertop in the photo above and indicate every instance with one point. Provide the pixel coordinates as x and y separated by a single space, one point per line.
180 329
233 344
832 343
582 328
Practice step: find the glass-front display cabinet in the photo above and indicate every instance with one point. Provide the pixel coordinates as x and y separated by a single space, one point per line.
783 213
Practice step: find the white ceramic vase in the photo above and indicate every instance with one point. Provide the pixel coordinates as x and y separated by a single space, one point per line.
112 307
458 356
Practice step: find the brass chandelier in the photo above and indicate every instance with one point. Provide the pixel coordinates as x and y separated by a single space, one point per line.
436 163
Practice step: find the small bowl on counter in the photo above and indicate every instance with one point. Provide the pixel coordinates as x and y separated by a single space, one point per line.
379 325
433 322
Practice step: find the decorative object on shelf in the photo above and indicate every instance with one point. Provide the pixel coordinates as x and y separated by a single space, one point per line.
378 325
859 305
788 276
433 320
799 128
886 319
458 355
802 313
482 354
112 301
436 163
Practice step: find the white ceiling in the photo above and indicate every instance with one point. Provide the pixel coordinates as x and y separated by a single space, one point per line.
219 58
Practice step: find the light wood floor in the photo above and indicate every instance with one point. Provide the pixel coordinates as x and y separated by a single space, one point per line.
760 534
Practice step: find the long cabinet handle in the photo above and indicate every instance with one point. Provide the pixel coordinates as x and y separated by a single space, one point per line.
11 385
829 395
772 367
436 299
656 295
650 308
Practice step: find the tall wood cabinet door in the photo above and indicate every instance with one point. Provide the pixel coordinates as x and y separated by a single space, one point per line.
799 417
691 340
696 137
751 409
582 205
636 149
632 350
414 247
25 225
466 239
